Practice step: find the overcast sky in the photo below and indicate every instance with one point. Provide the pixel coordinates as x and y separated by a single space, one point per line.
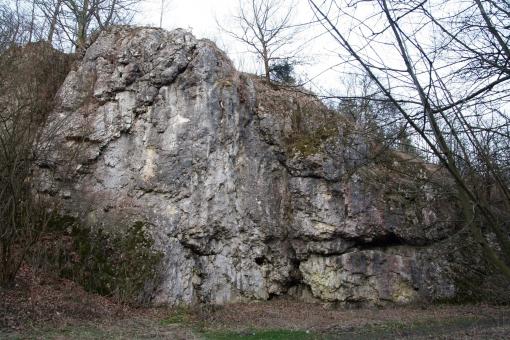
200 16
195 14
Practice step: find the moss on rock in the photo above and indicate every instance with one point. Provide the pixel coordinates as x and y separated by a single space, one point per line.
109 261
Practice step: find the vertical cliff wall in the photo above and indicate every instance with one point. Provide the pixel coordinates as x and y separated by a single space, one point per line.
249 190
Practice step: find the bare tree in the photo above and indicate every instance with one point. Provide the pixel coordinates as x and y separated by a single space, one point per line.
162 9
266 27
29 78
50 11
18 24
9 27
444 66
76 19
69 21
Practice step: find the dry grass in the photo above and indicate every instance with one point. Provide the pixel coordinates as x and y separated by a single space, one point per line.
42 298
290 314
42 306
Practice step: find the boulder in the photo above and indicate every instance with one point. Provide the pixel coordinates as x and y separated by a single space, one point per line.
249 189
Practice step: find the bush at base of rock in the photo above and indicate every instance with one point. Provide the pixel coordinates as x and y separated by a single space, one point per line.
108 261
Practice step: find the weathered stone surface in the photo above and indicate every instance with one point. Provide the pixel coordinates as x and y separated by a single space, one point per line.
362 276
250 191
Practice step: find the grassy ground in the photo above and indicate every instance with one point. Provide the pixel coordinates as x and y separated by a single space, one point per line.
285 319
47 308
282 319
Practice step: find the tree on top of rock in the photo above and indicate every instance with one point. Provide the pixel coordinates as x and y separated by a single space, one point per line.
266 27
76 19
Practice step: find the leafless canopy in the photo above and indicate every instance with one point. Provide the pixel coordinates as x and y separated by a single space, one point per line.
77 18
29 79
445 66
266 27
64 23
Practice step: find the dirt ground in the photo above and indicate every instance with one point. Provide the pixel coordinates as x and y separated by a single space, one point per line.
45 307
432 321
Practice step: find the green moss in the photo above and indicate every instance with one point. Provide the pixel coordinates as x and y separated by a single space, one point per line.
311 129
309 143
109 261
178 316
118 264
279 334
59 223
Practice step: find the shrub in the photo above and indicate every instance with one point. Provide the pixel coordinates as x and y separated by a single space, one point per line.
283 72
29 79
122 264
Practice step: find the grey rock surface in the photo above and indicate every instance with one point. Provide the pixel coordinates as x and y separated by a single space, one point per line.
251 191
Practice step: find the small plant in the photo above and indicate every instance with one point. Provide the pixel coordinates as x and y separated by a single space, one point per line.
311 129
283 72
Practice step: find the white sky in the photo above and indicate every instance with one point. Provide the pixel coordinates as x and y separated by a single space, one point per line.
195 14
199 16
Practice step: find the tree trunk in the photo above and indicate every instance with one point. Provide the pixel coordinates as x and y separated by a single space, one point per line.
266 63
81 37
161 14
32 24
53 22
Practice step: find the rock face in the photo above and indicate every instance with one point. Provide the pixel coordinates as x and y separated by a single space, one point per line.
250 191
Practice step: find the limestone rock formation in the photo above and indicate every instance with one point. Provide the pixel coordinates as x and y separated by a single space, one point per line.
250 190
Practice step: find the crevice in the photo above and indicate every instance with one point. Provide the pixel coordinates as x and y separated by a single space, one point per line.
260 260
82 139
383 241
